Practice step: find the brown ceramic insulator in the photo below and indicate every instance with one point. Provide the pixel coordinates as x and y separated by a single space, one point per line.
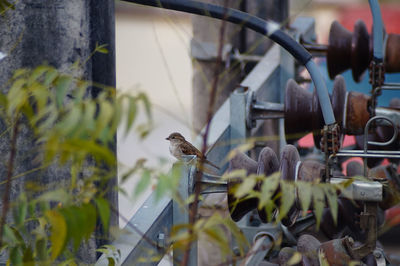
310 171
348 50
268 164
289 158
335 252
360 50
303 112
238 210
338 98
357 114
299 113
392 55
339 49
308 246
354 168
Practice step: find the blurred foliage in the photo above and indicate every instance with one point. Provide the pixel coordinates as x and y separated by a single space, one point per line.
70 129
5 5
280 195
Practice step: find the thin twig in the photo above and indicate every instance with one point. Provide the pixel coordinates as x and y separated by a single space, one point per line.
213 93
10 168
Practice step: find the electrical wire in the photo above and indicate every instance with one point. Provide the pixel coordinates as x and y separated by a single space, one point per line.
377 30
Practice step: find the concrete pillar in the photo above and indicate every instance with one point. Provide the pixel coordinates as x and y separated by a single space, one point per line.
58 33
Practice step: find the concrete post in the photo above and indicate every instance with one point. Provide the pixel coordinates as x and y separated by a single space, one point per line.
58 33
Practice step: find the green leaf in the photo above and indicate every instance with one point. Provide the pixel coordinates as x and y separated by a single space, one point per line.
101 48
90 215
246 186
268 188
16 256
28 257
103 208
138 165
144 182
50 76
146 103
20 212
295 259
9 235
41 249
237 234
330 193
287 199
318 200
36 73
304 190
17 97
111 261
58 195
58 231
105 116
75 225
20 72
241 148
71 121
131 116
235 174
218 236
62 84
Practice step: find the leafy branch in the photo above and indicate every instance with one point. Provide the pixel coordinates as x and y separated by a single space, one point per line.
70 128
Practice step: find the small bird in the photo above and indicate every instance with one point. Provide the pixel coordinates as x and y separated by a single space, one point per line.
178 147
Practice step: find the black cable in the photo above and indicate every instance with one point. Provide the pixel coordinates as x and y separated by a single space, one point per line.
237 17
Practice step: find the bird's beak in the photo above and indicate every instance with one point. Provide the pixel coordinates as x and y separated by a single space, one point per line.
167 138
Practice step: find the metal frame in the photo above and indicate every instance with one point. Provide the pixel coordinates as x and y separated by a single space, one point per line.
228 129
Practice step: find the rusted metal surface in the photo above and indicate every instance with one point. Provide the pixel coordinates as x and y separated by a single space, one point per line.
357 113
335 252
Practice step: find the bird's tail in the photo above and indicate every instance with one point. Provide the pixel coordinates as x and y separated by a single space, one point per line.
210 163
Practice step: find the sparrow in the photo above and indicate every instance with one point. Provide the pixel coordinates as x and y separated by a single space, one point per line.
178 147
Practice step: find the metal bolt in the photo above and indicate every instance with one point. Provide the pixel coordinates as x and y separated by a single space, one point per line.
377 254
161 240
236 251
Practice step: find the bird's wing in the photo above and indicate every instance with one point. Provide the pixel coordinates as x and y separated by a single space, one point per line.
189 149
